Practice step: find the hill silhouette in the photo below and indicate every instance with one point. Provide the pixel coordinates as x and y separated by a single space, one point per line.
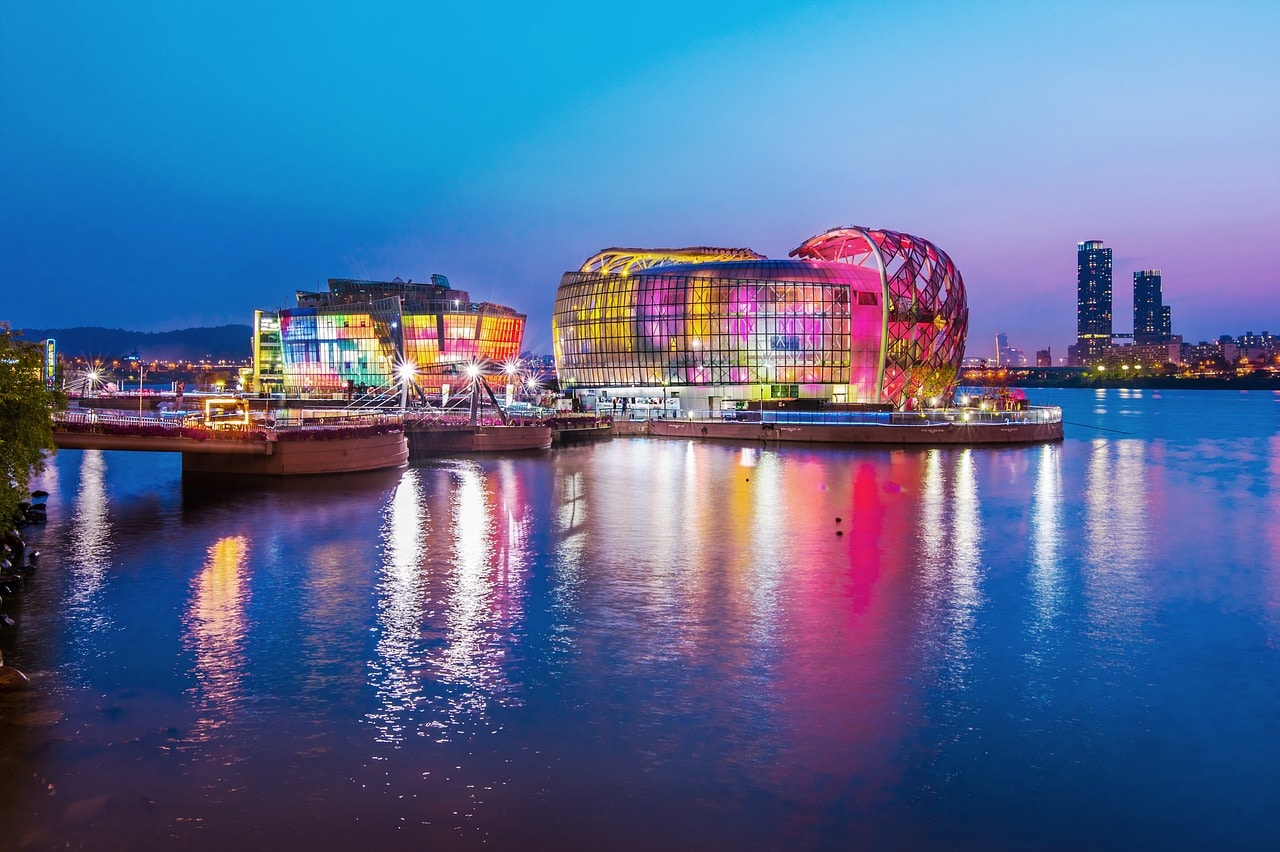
218 343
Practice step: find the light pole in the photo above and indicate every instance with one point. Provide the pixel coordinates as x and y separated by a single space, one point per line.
407 370
141 371
512 371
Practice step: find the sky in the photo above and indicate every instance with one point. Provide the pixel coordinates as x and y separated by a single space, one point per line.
178 164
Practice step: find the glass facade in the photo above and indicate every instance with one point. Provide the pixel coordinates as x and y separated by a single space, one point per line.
355 335
1093 301
1151 317
828 324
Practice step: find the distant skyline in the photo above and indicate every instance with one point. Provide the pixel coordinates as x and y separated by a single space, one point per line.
179 164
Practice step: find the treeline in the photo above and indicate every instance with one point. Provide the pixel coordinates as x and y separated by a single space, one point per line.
218 343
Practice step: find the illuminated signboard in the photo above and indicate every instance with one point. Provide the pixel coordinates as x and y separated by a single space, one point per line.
50 362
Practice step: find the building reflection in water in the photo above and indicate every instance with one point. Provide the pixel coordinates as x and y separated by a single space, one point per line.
214 631
449 597
1047 585
482 603
89 557
1273 537
570 515
768 536
402 583
950 527
1116 536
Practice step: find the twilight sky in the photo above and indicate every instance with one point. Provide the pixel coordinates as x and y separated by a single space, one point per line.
176 164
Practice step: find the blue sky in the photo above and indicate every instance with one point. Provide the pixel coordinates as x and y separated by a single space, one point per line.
176 164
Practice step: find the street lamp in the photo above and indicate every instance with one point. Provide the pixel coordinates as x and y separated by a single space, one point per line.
406 371
512 370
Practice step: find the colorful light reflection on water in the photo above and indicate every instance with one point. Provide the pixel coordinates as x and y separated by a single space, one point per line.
649 643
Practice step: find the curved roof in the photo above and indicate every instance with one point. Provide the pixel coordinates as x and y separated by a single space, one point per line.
624 261
767 269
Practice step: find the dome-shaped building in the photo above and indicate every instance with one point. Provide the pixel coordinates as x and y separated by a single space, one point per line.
855 315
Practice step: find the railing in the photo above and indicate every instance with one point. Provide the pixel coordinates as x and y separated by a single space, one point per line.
927 417
191 425
432 417
123 424
373 399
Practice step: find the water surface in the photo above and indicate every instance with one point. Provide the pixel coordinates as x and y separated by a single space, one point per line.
659 643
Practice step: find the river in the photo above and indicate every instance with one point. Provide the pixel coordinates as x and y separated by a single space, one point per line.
659 643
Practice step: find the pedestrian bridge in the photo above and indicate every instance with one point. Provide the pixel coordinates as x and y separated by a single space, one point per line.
105 429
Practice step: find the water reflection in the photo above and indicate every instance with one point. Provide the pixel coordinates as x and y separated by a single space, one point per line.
1273 537
768 537
1116 536
215 632
450 596
966 595
951 559
1047 588
482 603
401 610
89 556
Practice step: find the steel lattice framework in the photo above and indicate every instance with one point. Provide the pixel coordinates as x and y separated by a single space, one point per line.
625 261
926 314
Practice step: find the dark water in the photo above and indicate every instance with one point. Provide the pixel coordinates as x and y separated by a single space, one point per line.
645 644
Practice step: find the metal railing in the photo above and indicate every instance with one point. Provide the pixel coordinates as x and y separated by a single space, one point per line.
191 424
927 417
107 422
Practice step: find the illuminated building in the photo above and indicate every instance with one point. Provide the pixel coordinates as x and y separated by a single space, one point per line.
1093 301
356 334
855 315
1151 317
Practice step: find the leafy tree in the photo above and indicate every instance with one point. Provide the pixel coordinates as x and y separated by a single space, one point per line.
26 430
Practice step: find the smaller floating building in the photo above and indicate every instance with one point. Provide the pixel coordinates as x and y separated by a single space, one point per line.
357 334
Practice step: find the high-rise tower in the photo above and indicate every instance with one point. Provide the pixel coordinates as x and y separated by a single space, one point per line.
1150 315
1093 301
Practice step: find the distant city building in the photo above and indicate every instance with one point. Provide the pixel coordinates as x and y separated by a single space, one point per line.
1044 358
1222 350
1266 340
1258 346
1146 355
1093 301
1151 317
360 332
856 315
1006 355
